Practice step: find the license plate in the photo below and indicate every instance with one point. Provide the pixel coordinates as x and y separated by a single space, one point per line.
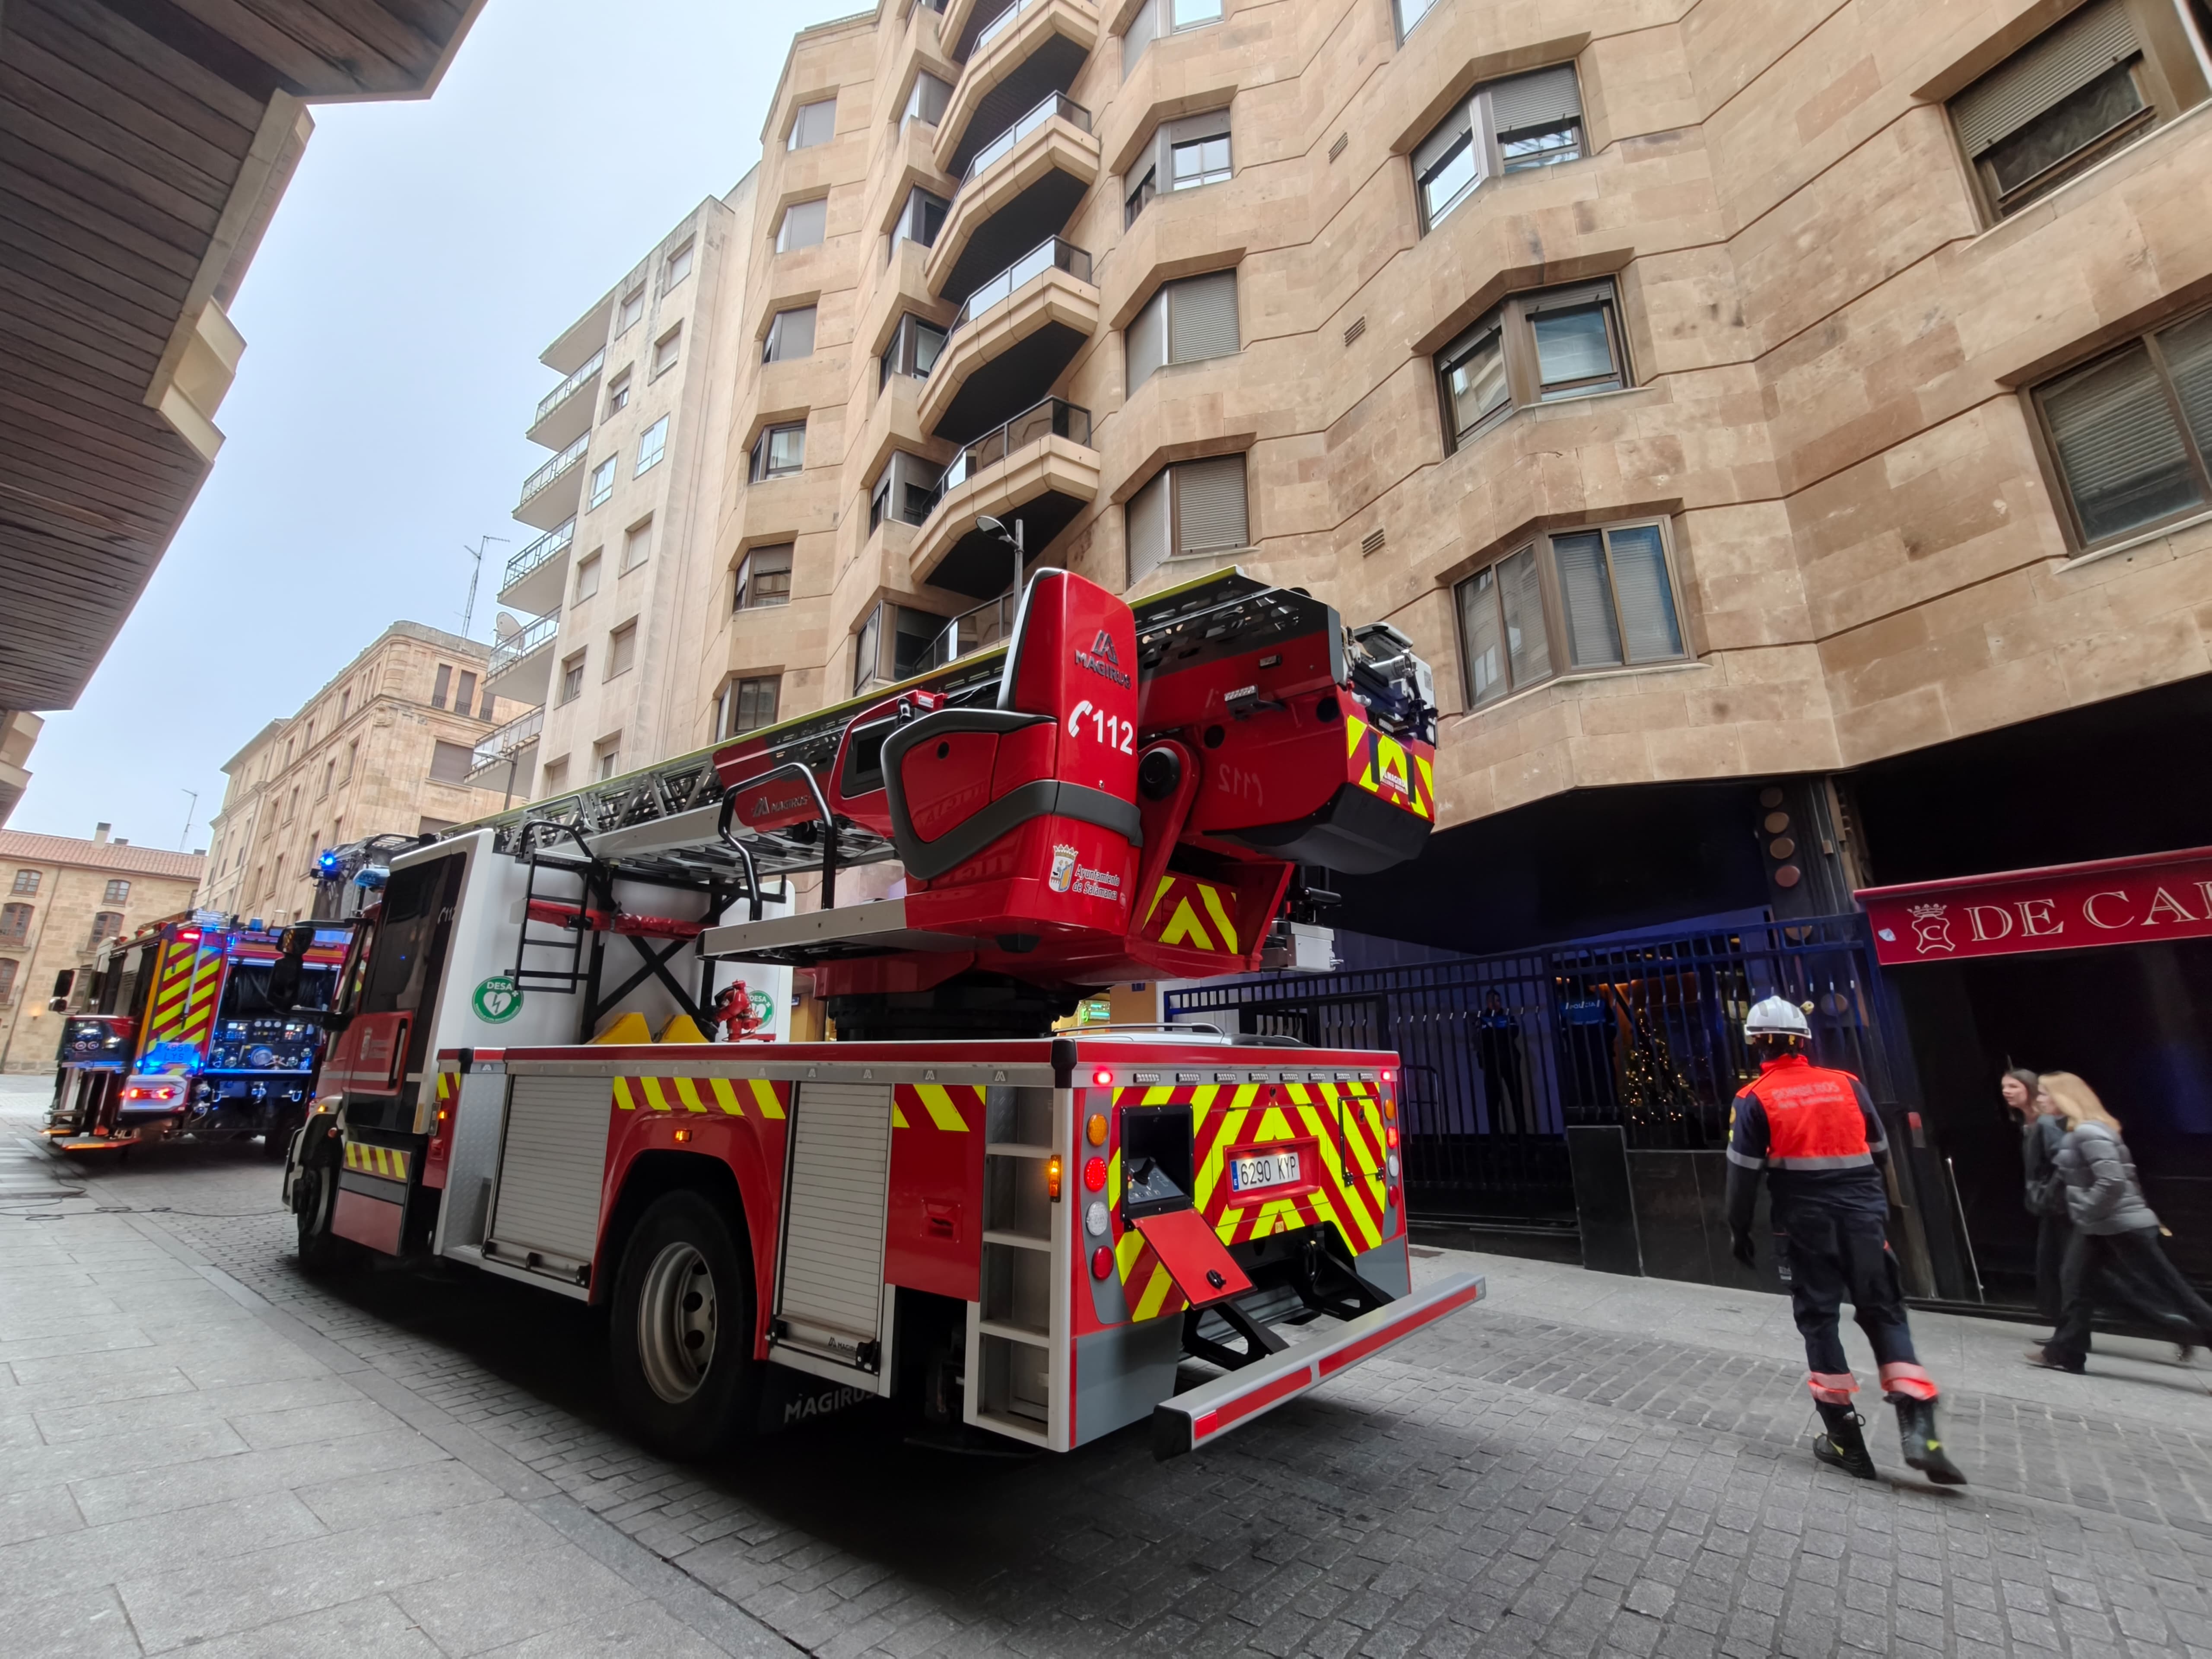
1264 1170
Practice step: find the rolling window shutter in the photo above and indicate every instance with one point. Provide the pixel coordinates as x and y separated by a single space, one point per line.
1649 630
1214 123
1202 317
450 763
1434 148
1210 505
2123 453
1542 100
2034 78
1147 339
1142 28
1593 636
1147 516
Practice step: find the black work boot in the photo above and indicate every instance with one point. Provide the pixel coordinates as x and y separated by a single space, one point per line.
1843 1447
1923 1450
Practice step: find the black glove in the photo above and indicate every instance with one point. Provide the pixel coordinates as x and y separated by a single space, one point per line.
1740 1248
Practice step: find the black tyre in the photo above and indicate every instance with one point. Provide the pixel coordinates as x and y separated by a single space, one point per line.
315 1196
681 1329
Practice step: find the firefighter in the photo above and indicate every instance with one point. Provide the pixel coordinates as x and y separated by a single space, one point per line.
1815 1131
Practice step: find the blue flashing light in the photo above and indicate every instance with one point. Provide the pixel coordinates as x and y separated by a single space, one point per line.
327 864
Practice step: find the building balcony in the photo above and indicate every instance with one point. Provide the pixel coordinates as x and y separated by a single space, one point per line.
553 493
1017 55
989 623
564 414
1038 468
534 577
521 666
1025 327
509 747
1026 182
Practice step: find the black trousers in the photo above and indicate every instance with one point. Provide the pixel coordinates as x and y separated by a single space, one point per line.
2153 1286
2052 1233
1839 1256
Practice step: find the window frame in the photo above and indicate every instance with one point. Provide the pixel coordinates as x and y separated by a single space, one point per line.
1512 319
629 310
2197 451
763 446
917 103
1398 17
638 535
1168 480
1558 643
621 637
617 395
1156 158
677 267
772 343
101 934
902 355
730 720
571 685
783 225
1161 308
652 447
798 113
117 891
903 473
667 352
601 483
590 562
27 882
15 922
779 557
1477 110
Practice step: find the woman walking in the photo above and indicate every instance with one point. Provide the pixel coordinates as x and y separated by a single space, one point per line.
2114 1231
2041 1134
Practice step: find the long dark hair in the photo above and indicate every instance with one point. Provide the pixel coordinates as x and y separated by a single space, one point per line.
2032 1083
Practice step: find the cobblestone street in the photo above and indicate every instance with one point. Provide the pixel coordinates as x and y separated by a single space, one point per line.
200 1448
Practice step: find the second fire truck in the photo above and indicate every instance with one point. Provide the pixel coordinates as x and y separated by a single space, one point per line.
1008 1232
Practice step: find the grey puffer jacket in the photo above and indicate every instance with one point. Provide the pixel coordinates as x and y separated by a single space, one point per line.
2102 1194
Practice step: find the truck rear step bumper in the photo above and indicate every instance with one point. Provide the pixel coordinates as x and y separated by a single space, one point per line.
1206 1413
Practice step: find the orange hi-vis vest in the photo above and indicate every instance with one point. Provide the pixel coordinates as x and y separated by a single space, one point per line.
1816 1119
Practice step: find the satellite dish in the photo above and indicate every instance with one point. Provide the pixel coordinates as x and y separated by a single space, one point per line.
504 626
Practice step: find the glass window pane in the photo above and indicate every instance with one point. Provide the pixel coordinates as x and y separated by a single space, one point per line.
2123 455
1648 627
1189 14
1529 647
1410 12
2188 349
1593 636
928 343
1476 383
1574 351
1450 179
1479 622
1540 146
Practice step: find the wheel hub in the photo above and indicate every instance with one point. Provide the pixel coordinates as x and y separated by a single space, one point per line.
676 1322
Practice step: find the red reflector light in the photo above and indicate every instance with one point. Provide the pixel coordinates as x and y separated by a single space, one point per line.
1390 1135
1102 1262
1389 1076
1102 1077
1203 1425
1094 1175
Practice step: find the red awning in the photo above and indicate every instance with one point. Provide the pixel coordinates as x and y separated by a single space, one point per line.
2065 907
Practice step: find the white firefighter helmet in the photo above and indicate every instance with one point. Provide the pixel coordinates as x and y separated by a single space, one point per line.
1777 1016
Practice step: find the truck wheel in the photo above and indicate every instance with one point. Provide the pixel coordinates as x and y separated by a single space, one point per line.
314 1195
681 1329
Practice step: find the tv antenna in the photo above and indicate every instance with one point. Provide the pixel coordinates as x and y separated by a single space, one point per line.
476 574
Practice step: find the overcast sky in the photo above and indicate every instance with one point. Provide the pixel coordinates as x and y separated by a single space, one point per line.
424 255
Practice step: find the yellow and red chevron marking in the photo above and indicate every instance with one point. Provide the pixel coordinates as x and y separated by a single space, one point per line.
390 1162
186 987
1200 915
1346 1191
733 1096
1401 772
956 1108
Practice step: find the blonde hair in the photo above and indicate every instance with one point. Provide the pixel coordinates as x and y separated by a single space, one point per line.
2077 1100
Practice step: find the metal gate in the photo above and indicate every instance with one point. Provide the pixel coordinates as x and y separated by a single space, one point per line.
1501 1054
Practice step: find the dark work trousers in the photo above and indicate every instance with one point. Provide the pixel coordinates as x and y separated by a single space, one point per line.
1837 1256
2133 1264
2052 1234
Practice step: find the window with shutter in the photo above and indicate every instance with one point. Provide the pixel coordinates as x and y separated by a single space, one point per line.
1505 126
790 334
622 650
465 695
2062 103
450 762
8 965
588 576
926 102
2132 430
637 544
1146 522
814 123
666 349
1577 601
1209 505
1202 317
764 579
803 225
1143 29
1535 348
677 268
1145 339
439 682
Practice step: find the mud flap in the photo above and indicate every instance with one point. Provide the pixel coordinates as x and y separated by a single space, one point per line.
1206 1413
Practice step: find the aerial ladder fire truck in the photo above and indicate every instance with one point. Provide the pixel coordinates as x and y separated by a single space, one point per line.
175 1032
1006 1231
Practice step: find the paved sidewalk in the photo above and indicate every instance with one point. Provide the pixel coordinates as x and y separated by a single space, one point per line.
200 1448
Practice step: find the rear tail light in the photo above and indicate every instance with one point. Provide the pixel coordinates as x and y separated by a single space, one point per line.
1094 1175
1102 1263
1051 1171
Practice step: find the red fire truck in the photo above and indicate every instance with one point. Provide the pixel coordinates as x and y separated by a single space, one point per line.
1006 1230
176 1033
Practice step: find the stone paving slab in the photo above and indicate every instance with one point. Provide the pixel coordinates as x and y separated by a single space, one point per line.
1580 1465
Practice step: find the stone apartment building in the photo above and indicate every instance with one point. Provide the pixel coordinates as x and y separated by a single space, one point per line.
59 898
1784 428
386 747
602 623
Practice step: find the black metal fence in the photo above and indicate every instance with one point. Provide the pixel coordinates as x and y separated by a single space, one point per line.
1501 1054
